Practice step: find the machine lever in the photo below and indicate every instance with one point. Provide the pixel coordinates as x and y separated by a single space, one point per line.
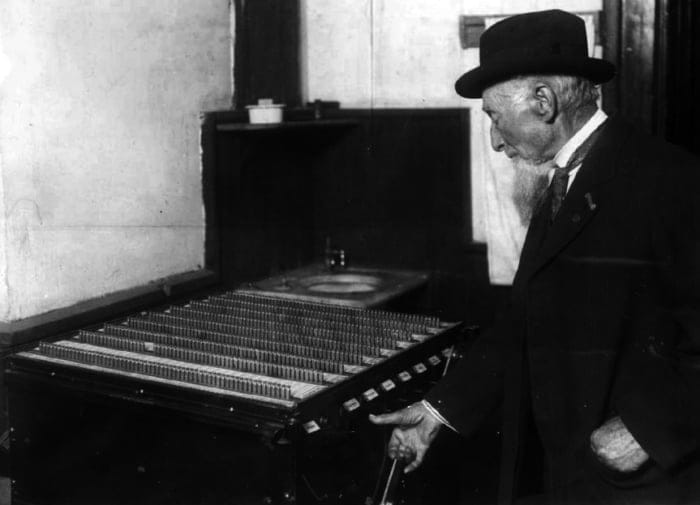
392 483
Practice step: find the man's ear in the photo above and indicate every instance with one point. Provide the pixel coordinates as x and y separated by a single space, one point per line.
545 102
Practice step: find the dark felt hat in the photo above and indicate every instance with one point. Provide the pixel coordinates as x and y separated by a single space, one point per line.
545 42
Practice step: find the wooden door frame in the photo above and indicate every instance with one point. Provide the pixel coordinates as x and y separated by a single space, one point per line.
635 40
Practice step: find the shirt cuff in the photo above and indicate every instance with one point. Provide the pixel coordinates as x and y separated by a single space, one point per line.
437 414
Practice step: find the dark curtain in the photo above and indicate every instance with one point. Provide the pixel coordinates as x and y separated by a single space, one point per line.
683 74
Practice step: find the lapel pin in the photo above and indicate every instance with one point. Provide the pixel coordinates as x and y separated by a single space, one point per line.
591 203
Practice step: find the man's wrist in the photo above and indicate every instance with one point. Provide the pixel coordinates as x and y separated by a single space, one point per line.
436 414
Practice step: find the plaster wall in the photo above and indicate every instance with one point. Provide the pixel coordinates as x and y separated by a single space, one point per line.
100 174
398 53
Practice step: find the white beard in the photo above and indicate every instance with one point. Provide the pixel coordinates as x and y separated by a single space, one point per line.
529 186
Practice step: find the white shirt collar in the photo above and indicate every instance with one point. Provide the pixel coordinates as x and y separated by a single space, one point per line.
568 149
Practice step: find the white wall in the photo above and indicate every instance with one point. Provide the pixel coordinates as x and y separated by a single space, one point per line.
100 177
397 53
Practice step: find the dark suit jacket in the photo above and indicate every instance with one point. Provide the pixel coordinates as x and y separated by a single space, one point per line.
604 321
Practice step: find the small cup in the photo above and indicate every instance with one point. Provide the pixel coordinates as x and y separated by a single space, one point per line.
265 112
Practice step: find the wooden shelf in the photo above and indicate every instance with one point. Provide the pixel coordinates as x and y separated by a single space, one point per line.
288 125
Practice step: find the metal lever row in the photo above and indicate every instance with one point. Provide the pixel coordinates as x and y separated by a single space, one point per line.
205 358
258 340
169 372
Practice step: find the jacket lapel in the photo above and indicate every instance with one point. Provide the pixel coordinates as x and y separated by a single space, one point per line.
578 208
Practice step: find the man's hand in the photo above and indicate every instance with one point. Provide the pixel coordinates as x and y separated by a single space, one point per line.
615 446
416 429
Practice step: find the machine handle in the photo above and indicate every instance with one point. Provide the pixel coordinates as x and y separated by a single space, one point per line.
392 483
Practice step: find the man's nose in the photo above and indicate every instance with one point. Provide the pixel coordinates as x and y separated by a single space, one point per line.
497 142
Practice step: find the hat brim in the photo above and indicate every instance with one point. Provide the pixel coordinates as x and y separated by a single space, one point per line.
473 83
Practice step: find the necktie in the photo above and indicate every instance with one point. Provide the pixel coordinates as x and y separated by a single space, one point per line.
560 180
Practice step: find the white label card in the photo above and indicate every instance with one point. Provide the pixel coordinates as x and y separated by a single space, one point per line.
311 427
351 404
370 395
405 376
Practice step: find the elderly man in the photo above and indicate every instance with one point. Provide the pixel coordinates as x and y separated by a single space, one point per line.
599 355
